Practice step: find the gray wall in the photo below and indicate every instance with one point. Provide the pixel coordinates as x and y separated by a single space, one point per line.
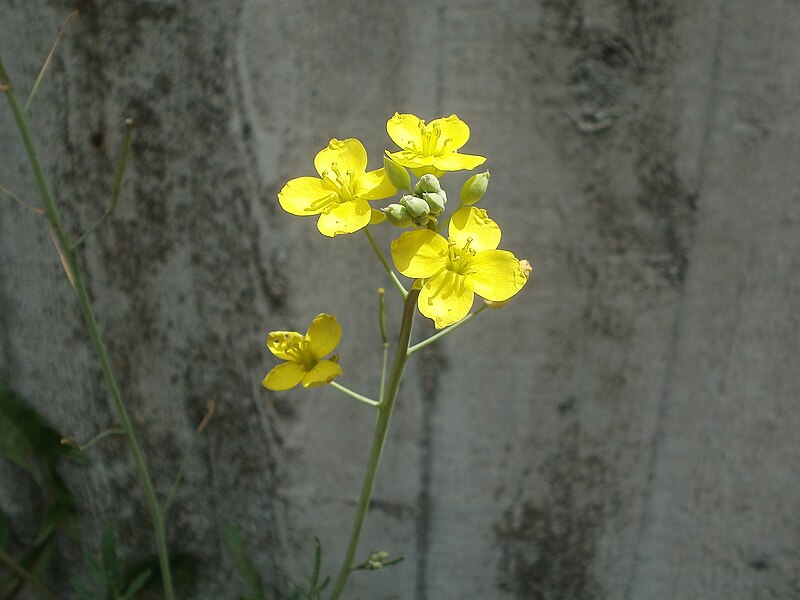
625 429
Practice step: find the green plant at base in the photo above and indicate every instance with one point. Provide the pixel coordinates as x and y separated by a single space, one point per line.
109 571
246 567
66 250
27 440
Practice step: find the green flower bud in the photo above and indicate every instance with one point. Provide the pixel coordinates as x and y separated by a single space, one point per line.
474 188
427 183
416 207
435 201
397 174
397 215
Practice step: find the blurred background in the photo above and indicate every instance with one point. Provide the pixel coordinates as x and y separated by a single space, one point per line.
626 428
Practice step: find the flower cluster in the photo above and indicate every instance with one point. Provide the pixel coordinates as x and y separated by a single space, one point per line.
448 271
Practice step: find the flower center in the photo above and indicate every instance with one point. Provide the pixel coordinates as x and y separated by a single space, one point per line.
432 142
343 186
459 259
299 350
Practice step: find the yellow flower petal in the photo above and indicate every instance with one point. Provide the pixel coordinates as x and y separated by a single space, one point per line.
451 128
283 377
420 171
346 155
278 341
376 216
431 148
411 159
446 298
347 217
419 253
455 161
374 185
405 130
305 196
497 275
324 334
474 225
324 372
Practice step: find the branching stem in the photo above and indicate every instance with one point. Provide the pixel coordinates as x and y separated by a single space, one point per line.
27 576
212 407
378 439
123 160
444 332
352 394
71 264
385 263
48 60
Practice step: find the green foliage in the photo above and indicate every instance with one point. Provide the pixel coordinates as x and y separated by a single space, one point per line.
108 571
5 530
183 567
244 563
28 441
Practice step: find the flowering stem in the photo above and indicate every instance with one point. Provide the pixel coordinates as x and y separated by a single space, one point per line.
353 394
76 277
385 263
378 439
384 341
444 332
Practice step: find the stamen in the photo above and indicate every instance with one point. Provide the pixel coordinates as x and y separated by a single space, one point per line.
442 288
344 186
323 205
432 277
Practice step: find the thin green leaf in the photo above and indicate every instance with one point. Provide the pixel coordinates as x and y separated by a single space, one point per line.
18 431
137 584
24 434
243 561
61 508
98 571
83 593
317 563
111 562
5 530
182 565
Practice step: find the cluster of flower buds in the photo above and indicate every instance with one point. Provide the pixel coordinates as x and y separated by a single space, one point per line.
421 207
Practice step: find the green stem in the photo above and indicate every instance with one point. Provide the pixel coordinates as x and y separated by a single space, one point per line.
212 407
27 576
123 160
100 436
47 61
444 332
353 394
378 439
385 263
51 210
384 342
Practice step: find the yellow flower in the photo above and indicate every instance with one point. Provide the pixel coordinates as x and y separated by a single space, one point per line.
341 192
303 354
453 271
431 148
